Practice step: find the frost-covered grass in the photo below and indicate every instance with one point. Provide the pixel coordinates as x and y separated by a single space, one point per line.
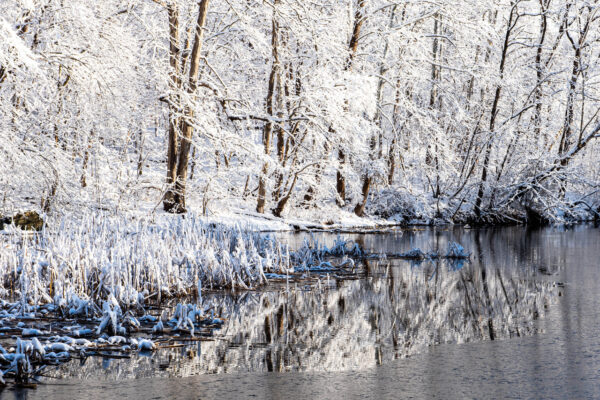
98 256
312 254
91 280
88 285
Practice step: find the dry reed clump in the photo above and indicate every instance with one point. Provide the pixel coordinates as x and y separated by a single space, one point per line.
132 260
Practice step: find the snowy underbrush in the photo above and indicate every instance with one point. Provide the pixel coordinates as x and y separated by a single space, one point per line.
402 206
420 207
90 286
313 255
53 334
87 285
131 260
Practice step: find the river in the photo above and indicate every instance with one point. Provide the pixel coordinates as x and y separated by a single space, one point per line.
520 320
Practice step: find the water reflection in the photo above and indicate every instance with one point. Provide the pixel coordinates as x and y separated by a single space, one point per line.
563 362
398 309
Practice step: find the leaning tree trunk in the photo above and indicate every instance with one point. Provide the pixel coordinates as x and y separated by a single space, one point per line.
567 131
566 140
494 112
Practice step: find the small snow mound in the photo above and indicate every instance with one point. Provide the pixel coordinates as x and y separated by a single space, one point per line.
146 345
414 254
455 250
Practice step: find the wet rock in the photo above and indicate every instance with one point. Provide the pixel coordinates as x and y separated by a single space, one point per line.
28 221
4 221
535 217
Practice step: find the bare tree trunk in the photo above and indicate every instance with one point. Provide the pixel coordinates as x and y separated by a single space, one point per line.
567 130
391 157
431 157
61 87
86 158
174 103
537 118
185 144
340 184
513 17
359 19
268 129
283 143
566 140
283 201
140 149
193 165
359 210
391 162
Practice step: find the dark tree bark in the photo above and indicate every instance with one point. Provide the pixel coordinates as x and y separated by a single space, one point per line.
174 120
178 170
566 139
537 118
268 129
512 19
359 19
183 155
359 209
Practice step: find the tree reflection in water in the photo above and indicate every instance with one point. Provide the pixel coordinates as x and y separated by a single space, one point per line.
398 309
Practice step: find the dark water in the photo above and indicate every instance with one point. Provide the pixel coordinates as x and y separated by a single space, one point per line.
404 330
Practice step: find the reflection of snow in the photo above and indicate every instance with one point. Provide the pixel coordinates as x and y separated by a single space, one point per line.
359 324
